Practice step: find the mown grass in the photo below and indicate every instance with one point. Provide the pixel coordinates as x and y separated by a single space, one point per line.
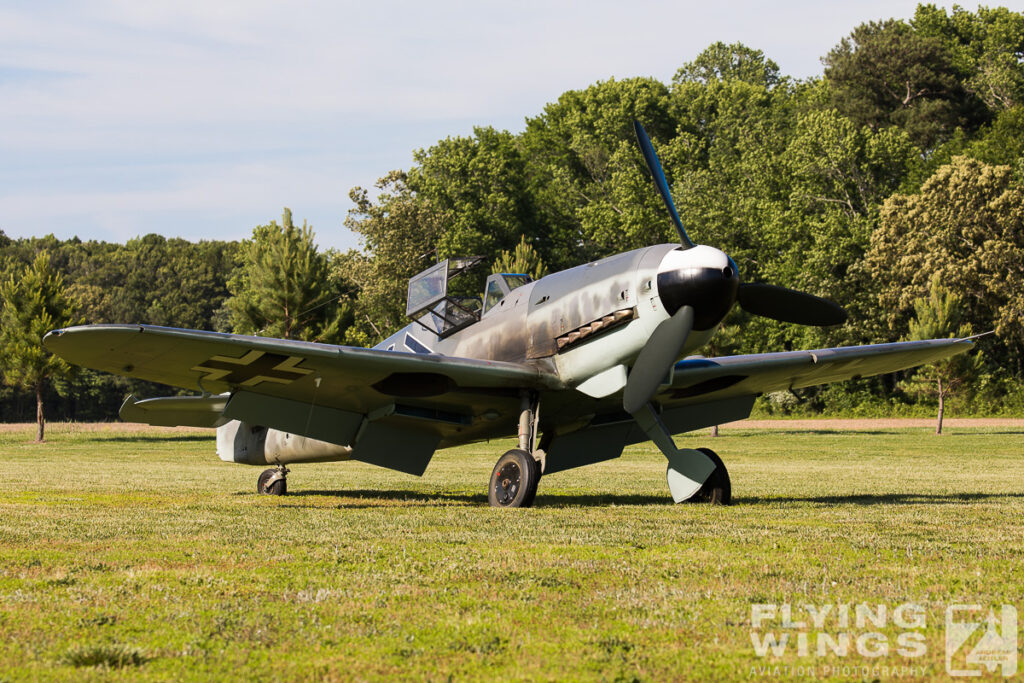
141 556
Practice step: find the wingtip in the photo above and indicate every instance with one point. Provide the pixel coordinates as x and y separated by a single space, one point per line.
50 336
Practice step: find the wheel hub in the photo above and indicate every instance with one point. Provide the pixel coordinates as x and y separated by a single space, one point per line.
509 480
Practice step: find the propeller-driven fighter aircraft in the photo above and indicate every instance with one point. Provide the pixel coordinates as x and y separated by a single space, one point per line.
579 363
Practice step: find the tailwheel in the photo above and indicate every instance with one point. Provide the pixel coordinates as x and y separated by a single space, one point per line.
514 480
273 482
717 490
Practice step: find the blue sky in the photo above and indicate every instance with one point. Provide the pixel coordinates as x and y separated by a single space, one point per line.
203 119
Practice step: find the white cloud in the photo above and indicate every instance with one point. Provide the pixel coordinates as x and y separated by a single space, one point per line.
119 111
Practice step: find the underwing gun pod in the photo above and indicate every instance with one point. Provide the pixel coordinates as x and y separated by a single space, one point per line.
577 365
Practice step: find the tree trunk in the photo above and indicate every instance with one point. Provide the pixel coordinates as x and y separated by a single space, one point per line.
714 431
942 409
40 424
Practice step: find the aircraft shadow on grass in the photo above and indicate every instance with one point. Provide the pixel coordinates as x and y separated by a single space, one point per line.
556 501
885 499
802 432
897 431
605 500
176 438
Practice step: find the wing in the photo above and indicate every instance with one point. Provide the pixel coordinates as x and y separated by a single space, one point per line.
698 379
350 378
333 393
709 391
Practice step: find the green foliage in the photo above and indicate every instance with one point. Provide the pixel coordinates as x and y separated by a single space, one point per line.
966 226
721 62
523 259
726 165
791 193
34 302
888 74
399 234
478 185
939 316
986 47
838 175
282 287
103 656
593 192
1001 143
149 279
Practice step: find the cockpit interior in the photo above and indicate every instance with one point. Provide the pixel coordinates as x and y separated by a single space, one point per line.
430 304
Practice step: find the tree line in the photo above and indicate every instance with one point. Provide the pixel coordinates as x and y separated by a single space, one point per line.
892 182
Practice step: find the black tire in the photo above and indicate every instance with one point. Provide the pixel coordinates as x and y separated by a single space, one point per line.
514 480
717 490
277 488
532 493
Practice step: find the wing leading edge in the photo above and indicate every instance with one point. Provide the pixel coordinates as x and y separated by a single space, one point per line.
709 391
218 362
695 378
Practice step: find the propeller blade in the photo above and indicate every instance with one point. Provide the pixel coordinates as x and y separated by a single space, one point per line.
789 305
655 359
659 181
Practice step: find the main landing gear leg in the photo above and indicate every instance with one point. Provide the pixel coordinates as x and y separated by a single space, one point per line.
697 475
516 475
273 482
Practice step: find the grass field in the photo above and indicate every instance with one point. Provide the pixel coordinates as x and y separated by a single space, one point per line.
141 556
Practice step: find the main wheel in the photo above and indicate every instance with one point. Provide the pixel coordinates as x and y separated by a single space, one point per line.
514 480
271 488
535 464
717 490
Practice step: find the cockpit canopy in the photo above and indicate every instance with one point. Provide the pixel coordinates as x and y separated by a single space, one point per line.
430 304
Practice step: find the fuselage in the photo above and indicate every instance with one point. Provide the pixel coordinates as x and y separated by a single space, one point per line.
586 324
585 320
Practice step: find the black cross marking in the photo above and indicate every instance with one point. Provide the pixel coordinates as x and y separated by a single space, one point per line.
253 368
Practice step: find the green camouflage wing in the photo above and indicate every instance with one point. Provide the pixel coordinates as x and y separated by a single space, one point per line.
695 380
346 378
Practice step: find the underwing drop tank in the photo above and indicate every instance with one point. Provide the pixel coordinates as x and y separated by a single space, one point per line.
242 442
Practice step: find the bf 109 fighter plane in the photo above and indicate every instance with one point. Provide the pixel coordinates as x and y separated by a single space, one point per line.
579 363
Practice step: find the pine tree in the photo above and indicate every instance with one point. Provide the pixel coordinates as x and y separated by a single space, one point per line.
34 302
283 286
524 259
937 317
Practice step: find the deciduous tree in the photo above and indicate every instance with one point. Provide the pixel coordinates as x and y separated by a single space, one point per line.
887 74
721 62
593 194
966 226
986 46
399 234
